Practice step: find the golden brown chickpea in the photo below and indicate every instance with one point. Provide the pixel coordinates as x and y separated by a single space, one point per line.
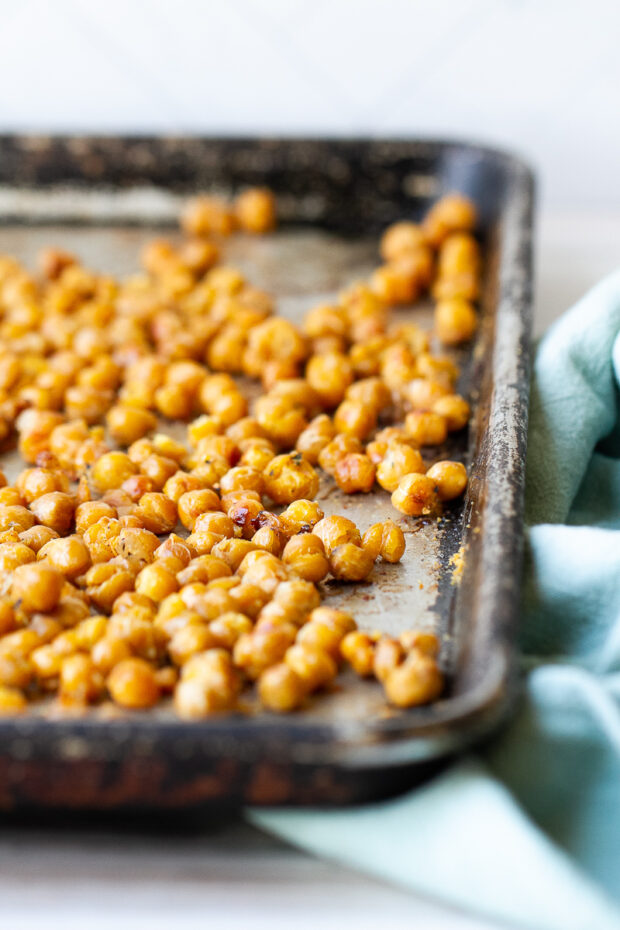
242 478
401 238
349 562
190 640
111 470
90 512
108 652
212 448
13 516
37 586
157 512
325 320
206 215
297 598
329 375
11 497
315 667
455 321
450 479
52 262
334 531
354 418
269 539
233 551
305 555
69 555
55 510
198 255
282 423
13 554
7 616
136 486
34 482
281 689
132 684
454 409
394 284
290 477
388 654
80 681
325 630
227 628
135 543
318 434
106 581
37 536
372 392
340 445
127 423
358 649
415 681
256 651
300 517
274 340
426 428
255 210
193 504
156 582
422 394
355 473
12 702
415 495
420 640
203 568
452 213
399 460
263 569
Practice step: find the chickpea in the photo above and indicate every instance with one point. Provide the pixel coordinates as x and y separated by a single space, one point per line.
394 284
11 497
423 642
388 655
305 555
248 599
189 641
349 562
340 445
297 598
290 477
273 340
455 321
105 581
193 504
157 512
55 510
108 652
281 689
300 517
127 423
325 630
69 555
99 537
392 544
325 320
415 681
450 479
90 512
355 418
256 651
334 531
318 434
207 215
13 516
158 468
132 684
415 495
354 473
399 460
454 409
111 470
358 649
203 568
80 681
233 551
228 627
401 238
209 683
371 392
315 668
12 701
135 543
13 554
452 213
255 210
269 539
156 582
37 586
422 394
7 616
282 423
329 375
426 428
34 482
242 478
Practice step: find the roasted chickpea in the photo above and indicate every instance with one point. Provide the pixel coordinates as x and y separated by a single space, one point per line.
315 667
305 555
452 213
315 437
194 503
426 428
157 512
329 375
422 394
12 701
337 448
395 284
256 651
281 689
290 477
415 681
255 210
354 473
355 418
282 423
80 680
34 482
13 554
334 531
207 215
401 238
69 555
455 321
55 510
132 684
388 654
450 479
386 540
111 470
127 423
156 582
13 516
325 630
399 460
358 649
300 516
90 512
37 586
415 495
454 409
349 562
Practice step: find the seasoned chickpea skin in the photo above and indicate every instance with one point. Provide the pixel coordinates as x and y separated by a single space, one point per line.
37 586
132 683
399 460
305 555
415 681
354 473
455 321
426 428
349 562
454 409
334 531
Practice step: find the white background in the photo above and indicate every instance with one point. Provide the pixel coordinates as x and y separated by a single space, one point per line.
538 76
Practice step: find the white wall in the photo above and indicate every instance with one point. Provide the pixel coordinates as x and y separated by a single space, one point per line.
541 76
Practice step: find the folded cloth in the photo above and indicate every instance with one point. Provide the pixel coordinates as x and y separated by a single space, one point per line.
528 830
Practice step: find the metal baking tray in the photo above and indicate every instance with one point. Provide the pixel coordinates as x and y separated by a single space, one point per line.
103 197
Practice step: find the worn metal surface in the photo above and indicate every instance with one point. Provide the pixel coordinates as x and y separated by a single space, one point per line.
347 745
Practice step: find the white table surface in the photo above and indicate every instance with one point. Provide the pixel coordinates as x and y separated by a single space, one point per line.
228 874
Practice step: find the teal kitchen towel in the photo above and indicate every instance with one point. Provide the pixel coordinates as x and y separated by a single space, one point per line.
528 831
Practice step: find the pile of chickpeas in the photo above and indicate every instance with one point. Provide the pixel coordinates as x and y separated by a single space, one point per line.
135 566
